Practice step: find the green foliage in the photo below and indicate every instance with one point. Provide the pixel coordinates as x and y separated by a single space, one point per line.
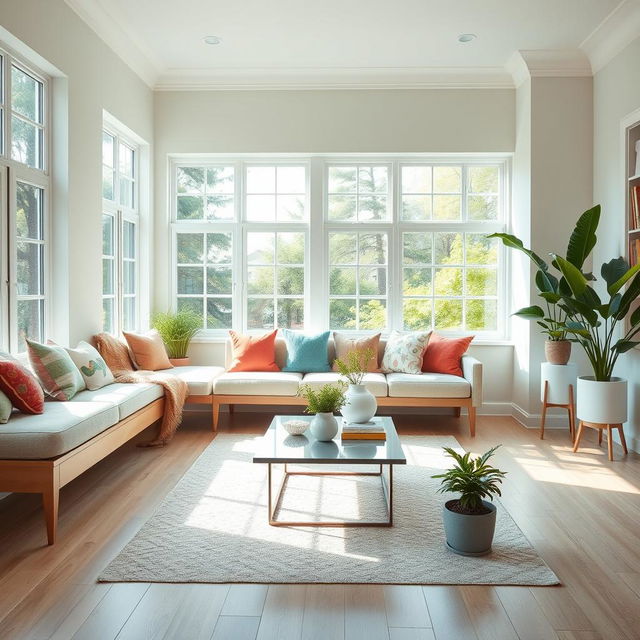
551 288
328 399
176 330
473 478
356 364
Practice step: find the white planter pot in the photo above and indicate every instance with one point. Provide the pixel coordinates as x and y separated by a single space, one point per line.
360 406
324 427
602 402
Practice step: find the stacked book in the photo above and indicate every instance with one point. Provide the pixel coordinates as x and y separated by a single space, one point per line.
365 431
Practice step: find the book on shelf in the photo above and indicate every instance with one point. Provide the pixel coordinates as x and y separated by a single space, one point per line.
634 207
634 251
365 431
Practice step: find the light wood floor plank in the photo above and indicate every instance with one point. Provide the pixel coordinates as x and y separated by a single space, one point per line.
448 613
579 635
112 612
397 633
68 626
364 613
525 614
283 612
561 609
323 612
406 606
487 614
236 628
245 600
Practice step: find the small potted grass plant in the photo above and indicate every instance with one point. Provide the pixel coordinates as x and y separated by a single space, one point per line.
177 331
470 519
361 404
323 403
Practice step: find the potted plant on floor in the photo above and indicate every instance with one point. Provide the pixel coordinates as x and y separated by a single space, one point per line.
470 520
323 404
553 318
361 404
177 331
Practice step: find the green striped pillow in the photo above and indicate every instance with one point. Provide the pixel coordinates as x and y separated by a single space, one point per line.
54 367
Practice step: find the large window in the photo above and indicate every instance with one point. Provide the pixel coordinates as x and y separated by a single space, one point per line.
24 201
120 230
376 244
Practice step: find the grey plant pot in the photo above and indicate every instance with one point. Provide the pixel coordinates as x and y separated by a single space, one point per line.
469 535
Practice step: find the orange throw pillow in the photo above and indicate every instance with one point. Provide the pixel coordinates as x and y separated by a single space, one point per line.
344 344
253 353
148 350
442 355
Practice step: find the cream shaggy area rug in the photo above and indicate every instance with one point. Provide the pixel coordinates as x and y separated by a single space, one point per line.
213 528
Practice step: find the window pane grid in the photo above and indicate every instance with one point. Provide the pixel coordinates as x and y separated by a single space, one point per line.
358 193
206 193
27 118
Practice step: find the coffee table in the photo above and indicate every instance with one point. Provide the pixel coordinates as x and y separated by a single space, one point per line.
277 447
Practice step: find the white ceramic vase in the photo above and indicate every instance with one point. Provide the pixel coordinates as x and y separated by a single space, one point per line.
360 406
324 427
602 402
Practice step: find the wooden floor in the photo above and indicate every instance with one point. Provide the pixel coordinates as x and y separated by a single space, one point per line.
580 511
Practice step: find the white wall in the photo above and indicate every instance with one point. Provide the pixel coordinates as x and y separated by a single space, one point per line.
359 121
616 94
96 79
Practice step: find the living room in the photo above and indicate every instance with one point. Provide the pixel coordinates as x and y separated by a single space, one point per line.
270 270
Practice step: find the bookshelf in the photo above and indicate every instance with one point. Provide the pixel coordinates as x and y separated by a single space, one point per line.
632 199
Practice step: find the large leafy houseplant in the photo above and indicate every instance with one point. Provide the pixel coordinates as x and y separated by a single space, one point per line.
473 478
176 330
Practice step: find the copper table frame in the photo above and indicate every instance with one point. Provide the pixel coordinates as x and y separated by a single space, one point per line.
387 488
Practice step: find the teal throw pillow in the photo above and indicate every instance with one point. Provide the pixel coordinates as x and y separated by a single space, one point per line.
306 354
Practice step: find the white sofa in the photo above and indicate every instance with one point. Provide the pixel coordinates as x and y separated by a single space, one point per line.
391 389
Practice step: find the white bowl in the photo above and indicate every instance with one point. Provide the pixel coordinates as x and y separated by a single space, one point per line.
295 427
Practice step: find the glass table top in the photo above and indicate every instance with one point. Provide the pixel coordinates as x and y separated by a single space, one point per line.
277 446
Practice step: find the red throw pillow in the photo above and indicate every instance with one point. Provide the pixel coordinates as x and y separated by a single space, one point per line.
21 387
442 355
254 353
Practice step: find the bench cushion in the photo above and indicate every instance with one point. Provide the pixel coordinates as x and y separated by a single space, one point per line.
258 383
427 385
375 383
128 398
199 379
63 426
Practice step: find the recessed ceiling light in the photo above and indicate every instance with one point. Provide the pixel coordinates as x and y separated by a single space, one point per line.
212 40
467 37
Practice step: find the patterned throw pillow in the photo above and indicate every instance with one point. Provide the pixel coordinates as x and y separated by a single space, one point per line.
404 351
5 408
54 367
20 386
91 365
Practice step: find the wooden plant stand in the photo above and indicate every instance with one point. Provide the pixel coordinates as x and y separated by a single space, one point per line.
570 407
601 427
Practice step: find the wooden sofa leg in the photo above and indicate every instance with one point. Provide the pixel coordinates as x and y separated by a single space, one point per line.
458 411
216 414
472 422
50 500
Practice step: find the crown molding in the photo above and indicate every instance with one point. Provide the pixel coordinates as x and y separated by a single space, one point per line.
118 38
333 78
548 63
619 29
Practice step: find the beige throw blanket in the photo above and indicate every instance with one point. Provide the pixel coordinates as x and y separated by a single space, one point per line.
116 355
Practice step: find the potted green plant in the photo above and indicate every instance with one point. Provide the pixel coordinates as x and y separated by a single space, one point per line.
470 520
550 287
361 404
177 331
323 403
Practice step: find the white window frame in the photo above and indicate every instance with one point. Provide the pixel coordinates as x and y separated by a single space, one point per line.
318 226
121 214
12 172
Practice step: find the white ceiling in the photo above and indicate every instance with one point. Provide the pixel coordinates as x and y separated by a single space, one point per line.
293 39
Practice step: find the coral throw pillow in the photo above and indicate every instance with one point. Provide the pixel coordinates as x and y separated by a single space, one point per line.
253 353
306 354
443 354
403 352
148 350
21 387
58 375
345 344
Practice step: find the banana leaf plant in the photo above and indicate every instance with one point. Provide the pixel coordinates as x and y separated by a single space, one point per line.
551 288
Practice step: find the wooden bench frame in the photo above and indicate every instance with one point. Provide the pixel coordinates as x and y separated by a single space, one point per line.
383 401
49 476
